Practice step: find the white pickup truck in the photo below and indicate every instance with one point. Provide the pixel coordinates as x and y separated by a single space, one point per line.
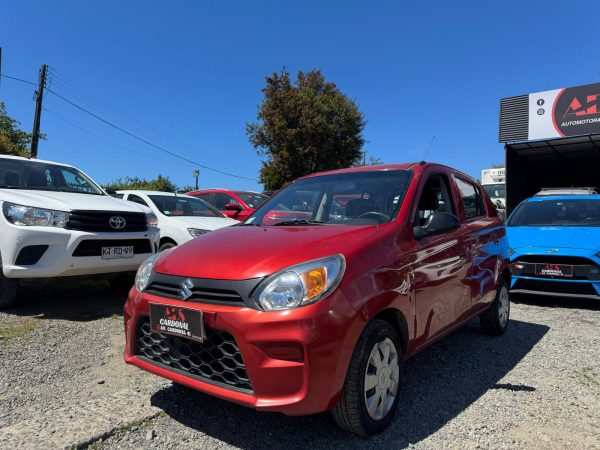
56 222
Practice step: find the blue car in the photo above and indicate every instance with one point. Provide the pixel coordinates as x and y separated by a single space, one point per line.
555 246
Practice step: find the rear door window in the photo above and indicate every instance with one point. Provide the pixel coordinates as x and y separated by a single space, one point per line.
471 199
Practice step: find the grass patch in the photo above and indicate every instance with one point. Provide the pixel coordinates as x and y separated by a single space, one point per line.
117 316
590 377
16 328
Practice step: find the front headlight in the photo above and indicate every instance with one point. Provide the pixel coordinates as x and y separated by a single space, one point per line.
30 216
195 232
151 220
300 285
142 277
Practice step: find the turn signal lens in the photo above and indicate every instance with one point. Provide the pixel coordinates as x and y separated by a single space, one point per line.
315 281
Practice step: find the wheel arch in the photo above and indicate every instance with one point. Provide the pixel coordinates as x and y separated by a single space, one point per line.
397 320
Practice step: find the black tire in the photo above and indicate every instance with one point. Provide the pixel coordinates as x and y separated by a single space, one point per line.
166 245
9 289
351 412
122 282
494 321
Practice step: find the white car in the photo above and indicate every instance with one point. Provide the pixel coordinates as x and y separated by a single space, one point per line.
56 222
181 217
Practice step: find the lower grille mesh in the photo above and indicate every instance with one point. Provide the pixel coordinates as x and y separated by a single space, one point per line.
217 360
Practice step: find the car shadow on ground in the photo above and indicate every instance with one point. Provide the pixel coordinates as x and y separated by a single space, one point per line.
556 302
439 383
69 299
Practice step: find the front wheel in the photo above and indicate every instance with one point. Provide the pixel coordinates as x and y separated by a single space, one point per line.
494 320
9 289
371 391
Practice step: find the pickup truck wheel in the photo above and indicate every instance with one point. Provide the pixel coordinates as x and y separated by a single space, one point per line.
494 320
9 288
371 391
122 282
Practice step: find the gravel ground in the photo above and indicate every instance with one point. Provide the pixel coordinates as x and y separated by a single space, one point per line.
63 384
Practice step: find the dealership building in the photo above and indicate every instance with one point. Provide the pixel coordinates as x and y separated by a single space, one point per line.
552 139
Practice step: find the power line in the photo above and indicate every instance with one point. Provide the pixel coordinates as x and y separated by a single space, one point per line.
85 129
19 79
132 134
146 141
69 88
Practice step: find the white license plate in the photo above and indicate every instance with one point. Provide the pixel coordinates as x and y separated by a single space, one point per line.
117 252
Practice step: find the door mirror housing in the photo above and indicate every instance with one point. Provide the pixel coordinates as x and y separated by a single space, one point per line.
233 207
437 222
111 192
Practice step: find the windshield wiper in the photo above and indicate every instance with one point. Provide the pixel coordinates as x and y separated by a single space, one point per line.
249 224
298 222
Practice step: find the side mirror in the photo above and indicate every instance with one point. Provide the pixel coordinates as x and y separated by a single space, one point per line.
233 207
437 222
111 192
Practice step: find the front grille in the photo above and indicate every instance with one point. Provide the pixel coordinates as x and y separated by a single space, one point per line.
205 290
96 221
217 360
199 294
555 287
93 247
554 259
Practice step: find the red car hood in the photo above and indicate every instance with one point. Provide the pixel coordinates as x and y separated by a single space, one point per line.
241 253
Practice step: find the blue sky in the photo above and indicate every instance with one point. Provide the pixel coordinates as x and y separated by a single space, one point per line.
187 75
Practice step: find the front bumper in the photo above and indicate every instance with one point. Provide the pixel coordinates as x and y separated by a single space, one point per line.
295 361
59 245
583 280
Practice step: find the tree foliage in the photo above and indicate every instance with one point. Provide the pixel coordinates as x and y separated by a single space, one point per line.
12 140
306 127
160 183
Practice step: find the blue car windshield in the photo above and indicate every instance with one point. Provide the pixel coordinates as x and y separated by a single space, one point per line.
557 213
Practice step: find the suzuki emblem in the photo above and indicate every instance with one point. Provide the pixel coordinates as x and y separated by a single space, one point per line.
186 289
117 222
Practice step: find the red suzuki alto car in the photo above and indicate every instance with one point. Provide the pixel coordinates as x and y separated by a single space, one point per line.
325 307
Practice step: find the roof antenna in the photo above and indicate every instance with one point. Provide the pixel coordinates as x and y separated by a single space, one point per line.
427 151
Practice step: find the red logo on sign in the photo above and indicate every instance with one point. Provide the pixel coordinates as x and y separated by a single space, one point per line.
577 108
174 314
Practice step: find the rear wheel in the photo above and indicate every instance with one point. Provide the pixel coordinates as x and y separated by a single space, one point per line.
371 390
494 320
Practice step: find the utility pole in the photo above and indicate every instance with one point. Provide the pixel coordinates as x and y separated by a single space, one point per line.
39 96
196 174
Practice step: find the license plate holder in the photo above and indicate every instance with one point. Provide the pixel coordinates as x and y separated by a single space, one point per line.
554 270
118 252
177 321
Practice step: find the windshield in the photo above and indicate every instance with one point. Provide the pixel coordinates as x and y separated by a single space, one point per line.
356 198
252 199
24 174
171 205
561 213
495 190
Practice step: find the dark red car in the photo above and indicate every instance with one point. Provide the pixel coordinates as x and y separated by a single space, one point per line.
369 266
235 204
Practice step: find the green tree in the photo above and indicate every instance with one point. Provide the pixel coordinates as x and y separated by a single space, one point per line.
161 183
306 127
12 140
